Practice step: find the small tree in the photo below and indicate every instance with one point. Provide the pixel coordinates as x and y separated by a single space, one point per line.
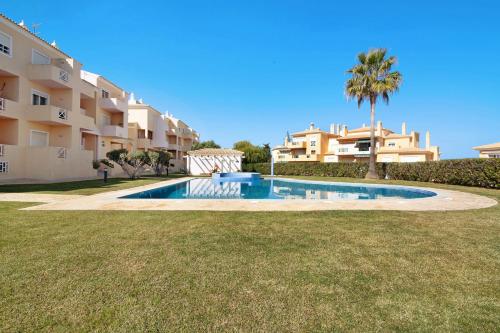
132 164
159 161
204 144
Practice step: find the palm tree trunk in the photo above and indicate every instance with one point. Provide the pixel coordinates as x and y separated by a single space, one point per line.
372 170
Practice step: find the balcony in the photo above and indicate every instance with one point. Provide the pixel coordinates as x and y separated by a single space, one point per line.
49 114
144 143
304 158
115 131
296 145
85 121
50 75
351 150
9 109
113 104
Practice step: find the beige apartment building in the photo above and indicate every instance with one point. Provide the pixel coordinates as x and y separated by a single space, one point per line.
343 145
491 150
149 129
56 118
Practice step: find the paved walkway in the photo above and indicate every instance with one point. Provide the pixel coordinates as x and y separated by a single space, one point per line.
444 200
38 197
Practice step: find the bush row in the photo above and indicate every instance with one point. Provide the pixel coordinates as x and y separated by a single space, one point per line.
468 172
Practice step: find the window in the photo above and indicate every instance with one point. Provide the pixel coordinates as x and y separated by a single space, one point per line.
313 152
494 155
39 138
150 135
39 98
5 44
313 143
106 120
141 134
4 167
104 93
392 144
38 58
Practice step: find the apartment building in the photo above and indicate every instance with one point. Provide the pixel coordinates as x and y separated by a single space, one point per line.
491 150
41 123
109 109
56 118
343 145
149 129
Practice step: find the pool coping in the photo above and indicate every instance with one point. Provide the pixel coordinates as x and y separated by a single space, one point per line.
444 200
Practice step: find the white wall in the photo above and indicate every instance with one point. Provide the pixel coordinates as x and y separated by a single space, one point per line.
202 165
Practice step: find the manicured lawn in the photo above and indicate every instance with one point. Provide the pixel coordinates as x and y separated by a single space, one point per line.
234 271
85 187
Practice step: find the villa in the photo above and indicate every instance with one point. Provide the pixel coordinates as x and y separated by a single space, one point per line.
491 150
56 118
343 145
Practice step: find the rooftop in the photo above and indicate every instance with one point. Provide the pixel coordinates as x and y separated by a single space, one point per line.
488 146
214 152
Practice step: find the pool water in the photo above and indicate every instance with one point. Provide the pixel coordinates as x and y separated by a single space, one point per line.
206 188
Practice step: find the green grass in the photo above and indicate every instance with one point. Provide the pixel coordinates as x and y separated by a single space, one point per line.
84 187
241 271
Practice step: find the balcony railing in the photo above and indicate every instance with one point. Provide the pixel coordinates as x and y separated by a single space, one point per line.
114 104
50 74
61 152
49 114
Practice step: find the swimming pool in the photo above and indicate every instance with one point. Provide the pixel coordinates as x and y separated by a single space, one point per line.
279 189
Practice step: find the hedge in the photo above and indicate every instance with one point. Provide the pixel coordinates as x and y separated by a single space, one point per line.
468 172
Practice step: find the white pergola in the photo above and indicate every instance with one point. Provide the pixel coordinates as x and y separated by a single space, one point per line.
205 161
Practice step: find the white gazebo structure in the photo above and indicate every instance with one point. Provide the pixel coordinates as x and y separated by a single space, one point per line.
205 161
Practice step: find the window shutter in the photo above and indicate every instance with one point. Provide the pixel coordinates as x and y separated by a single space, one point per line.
40 59
39 139
4 39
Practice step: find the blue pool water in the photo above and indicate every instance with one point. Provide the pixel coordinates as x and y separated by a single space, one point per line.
206 188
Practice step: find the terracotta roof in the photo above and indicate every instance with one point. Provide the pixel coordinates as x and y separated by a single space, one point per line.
32 34
214 152
490 146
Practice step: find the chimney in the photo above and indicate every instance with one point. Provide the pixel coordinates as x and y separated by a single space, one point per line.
379 127
131 99
427 140
332 129
311 126
54 44
23 25
338 129
343 132
403 128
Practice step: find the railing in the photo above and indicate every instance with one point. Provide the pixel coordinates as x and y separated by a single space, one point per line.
63 75
2 103
62 114
4 167
61 152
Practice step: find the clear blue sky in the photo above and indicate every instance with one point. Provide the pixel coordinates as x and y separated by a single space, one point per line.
254 69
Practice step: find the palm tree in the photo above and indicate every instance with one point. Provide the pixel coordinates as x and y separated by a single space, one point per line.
372 78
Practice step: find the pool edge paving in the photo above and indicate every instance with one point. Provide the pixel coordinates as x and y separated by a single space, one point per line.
444 200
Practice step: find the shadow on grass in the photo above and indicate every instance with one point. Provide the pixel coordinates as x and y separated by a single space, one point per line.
85 186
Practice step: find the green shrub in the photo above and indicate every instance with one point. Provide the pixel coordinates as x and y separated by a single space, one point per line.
467 172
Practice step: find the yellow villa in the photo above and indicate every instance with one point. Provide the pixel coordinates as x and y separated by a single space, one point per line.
56 118
343 145
491 150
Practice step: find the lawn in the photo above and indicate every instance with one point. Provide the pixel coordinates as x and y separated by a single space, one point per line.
84 187
234 271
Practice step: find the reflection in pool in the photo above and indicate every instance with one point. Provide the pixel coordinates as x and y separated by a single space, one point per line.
205 188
